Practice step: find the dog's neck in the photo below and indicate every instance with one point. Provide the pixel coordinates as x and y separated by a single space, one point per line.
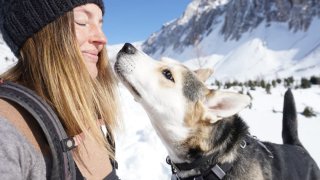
222 140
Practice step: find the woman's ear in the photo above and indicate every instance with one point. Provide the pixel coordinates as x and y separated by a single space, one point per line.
224 104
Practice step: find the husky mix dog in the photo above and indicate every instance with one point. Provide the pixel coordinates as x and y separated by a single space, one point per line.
200 128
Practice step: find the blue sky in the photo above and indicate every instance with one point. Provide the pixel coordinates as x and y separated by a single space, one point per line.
136 20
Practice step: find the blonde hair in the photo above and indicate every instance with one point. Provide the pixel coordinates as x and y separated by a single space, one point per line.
52 65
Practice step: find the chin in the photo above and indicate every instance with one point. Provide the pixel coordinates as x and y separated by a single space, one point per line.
93 70
93 74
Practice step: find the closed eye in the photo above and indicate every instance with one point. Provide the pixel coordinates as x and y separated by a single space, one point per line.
81 24
167 74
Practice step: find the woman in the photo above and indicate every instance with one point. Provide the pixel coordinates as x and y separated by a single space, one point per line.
61 55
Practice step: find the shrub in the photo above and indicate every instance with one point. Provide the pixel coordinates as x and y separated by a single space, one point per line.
268 88
308 112
227 85
288 81
274 83
263 83
218 83
315 80
305 83
279 81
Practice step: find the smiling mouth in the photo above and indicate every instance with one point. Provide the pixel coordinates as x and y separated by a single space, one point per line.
92 57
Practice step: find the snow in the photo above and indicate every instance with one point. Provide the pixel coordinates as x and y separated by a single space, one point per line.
196 7
7 58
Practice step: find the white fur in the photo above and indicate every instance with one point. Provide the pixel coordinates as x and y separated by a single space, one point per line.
165 106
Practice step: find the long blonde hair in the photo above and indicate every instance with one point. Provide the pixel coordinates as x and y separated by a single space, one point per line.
51 64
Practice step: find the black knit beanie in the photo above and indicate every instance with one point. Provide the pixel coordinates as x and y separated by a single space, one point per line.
20 19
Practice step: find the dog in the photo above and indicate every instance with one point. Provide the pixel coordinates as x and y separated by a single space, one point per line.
200 128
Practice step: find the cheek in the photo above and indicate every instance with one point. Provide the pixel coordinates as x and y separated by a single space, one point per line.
81 36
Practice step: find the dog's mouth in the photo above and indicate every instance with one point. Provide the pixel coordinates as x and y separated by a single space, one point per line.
131 87
126 82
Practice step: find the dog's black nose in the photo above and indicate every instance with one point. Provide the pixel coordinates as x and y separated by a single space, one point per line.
128 48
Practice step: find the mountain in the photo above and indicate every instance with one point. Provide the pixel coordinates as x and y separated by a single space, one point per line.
244 39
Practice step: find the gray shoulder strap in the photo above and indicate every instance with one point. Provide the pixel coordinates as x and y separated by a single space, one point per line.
63 164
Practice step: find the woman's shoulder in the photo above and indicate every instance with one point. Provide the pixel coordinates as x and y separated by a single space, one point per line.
8 110
11 138
11 125
23 122
18 154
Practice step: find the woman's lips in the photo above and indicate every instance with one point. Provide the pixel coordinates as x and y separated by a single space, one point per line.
92 56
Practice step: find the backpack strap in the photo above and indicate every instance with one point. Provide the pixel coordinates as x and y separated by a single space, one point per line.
63 166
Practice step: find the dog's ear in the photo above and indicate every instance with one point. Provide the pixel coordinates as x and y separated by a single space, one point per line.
224 104
203 74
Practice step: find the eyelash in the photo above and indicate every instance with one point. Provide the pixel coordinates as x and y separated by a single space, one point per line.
81 24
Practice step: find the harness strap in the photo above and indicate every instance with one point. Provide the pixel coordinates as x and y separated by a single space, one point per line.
262 145
63 167
208 170
72 142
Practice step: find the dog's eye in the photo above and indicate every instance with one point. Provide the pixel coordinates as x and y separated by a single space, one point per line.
167 74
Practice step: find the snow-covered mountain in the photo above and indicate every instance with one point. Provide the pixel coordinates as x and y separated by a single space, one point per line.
246 39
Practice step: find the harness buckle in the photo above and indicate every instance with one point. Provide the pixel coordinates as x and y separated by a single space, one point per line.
218 171
243 144
174 168
68 144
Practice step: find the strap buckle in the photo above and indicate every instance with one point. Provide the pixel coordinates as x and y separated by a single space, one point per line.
218 171
68 144
174 168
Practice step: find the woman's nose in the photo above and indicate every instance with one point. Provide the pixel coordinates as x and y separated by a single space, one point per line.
98 37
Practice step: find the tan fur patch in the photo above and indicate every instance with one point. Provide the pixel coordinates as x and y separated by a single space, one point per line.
201 127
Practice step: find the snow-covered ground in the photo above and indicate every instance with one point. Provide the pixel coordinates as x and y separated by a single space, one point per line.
142 156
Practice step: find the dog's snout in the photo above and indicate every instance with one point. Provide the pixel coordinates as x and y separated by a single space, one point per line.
128 48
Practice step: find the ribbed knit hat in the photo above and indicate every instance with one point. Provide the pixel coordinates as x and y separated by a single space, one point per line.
20 19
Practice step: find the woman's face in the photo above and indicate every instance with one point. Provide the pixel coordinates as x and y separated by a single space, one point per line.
91 39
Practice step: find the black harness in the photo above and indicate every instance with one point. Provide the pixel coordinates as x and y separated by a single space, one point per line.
63 166
207 166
